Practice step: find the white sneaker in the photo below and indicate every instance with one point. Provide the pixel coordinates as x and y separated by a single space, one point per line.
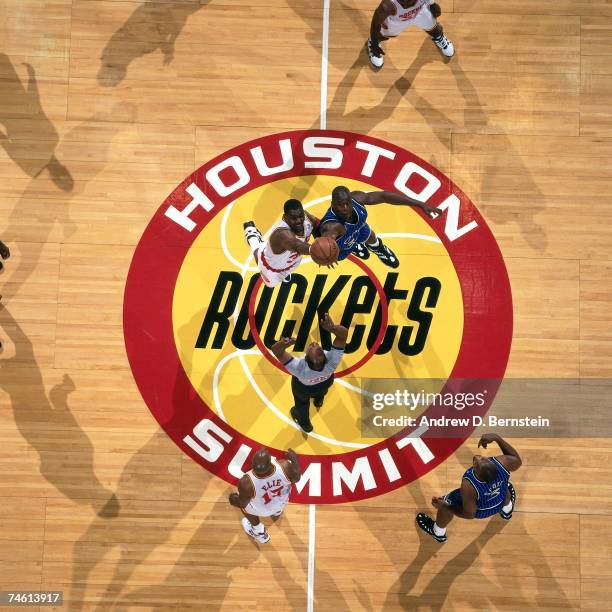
445 45
376 60
262 538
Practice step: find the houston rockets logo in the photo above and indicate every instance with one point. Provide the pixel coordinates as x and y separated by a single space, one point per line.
197 319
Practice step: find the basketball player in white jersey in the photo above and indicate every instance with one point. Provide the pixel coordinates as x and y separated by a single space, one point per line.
264 491
392 17
287 243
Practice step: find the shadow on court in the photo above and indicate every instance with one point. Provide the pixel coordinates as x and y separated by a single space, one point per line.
42 205
49 427
154 25
26 133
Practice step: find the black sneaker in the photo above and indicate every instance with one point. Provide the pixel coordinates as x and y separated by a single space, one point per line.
385 254
508 515
426 523
304 426
361 251
318 401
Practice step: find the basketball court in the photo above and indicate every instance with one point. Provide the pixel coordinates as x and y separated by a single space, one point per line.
137 137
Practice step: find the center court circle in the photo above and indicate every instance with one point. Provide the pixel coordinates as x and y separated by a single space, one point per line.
186 310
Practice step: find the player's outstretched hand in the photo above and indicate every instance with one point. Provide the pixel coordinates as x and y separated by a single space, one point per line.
430 211
285 342
438 502
487 439
326 322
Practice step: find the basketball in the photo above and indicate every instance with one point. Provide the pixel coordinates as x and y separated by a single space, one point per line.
324 251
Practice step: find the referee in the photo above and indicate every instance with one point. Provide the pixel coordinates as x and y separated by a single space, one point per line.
313 374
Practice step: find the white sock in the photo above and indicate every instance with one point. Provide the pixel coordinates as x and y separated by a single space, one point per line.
258 529
439 531
254 242
507 508
375 244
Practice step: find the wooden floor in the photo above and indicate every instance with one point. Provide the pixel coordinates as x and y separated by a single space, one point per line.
105 106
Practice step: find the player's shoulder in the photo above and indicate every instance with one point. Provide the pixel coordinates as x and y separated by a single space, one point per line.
388 7
246 483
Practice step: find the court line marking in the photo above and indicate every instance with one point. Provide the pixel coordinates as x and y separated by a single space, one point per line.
311 557
323 126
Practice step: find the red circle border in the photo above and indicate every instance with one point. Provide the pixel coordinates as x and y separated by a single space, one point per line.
149 334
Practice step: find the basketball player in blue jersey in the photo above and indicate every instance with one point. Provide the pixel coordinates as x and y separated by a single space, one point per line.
345 221
485 491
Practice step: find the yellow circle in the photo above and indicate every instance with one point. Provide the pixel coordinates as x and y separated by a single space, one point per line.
252 395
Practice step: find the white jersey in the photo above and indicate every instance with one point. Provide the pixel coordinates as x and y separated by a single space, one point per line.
274 268
418 14
271 493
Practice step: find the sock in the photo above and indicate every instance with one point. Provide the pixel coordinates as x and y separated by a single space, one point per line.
253 240
507 508
439 531
258 529
375 245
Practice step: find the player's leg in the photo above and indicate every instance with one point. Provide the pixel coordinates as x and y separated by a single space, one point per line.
253 237
509 502
301 405
427 22
254 528
319 394
375 53
437 528
382 251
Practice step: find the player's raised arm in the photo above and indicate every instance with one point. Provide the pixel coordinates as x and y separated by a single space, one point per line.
244 495
510 459
292 465
279 349
333 229
340 332
396 199
284 240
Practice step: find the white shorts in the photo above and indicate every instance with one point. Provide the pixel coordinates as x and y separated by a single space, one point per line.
268 510
271 278
423 19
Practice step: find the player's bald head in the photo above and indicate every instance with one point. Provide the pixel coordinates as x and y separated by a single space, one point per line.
262 461
340 194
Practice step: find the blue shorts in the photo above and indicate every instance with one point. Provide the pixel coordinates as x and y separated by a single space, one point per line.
454 499
358 238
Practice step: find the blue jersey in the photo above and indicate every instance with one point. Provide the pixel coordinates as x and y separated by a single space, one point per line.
491 495
354 233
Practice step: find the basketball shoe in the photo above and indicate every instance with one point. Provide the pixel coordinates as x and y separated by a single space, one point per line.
376 60
445 45
385 254
426 523
262 538
361 251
